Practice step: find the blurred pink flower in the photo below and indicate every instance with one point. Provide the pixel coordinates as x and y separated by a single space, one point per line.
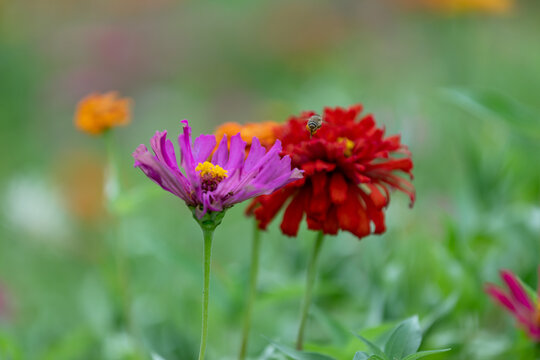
517 301
3 303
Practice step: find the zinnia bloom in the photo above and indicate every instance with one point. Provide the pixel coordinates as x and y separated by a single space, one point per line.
517 301
464 6
349 167
3 303
97 113
265 132
217 184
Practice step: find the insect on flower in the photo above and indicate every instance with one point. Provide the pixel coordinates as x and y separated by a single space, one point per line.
350 166
314 123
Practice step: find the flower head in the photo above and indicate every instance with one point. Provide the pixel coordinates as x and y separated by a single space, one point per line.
3 303
97 113
467 6
349 166
517 301
212 185
265 132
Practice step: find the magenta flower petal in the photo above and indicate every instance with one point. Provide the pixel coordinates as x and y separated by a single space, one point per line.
164 149
499 296
203 147
213 186
187 161
222 153
161 174
518 292
256 152
517 302
237 153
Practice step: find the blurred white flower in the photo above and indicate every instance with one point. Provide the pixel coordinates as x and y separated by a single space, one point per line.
34 207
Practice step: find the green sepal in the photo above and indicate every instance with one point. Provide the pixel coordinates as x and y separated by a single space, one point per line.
210 221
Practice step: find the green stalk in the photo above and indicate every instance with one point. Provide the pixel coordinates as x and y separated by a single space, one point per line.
112 189
310 282
254 271
208 236
208 224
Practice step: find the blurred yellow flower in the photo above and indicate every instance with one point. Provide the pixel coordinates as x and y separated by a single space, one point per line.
460 6
264 131
97 113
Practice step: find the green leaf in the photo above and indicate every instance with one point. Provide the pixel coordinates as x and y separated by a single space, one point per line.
300 355
374 348
495 105
422 354
405 339
340 335
360 355
440 311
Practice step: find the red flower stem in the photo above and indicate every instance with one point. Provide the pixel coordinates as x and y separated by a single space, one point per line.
310 282
254 271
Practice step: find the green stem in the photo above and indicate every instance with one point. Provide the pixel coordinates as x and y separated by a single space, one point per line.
254 271
208 235
310 281
112 181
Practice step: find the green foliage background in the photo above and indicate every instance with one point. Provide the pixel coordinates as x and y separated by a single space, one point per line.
461 89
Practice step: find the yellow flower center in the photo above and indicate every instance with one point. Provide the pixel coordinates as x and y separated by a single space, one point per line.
349 145
211 175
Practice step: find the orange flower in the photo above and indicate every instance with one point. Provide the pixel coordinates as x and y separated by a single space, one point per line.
461 6
97 113
264 131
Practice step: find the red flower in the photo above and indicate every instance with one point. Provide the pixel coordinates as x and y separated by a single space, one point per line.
516 301
349 167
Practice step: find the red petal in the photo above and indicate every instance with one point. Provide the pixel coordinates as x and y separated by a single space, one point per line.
352 216
324 166
331 225
405 165
379 200
319 182
338 188
294 213
313 224
376 215
271 204
318 205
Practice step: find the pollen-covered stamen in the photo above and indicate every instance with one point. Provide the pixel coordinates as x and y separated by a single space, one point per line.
349 145
211 175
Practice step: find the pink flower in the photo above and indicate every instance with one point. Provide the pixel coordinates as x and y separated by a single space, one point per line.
4 308
213 181
517 301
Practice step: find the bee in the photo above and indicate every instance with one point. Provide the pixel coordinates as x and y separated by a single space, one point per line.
314 123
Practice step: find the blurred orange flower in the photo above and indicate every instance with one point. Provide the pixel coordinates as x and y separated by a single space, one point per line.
97 113
460 6
264 131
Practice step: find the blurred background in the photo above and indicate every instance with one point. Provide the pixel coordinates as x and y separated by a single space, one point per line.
458 79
